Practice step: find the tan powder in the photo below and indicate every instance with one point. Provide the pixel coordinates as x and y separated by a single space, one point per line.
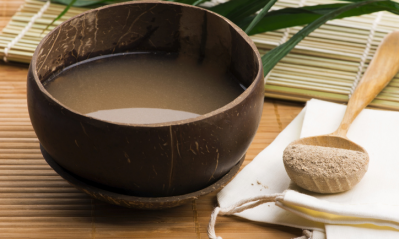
318 161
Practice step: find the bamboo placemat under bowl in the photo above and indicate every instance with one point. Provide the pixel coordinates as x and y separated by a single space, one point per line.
37 203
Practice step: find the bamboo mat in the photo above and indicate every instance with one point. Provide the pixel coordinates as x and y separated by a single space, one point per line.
37 203
329 63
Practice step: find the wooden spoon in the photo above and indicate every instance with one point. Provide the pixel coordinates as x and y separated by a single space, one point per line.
381 70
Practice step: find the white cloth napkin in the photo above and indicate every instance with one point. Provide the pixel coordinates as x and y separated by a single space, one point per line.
369 210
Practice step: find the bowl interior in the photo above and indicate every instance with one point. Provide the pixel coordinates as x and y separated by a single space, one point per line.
148 27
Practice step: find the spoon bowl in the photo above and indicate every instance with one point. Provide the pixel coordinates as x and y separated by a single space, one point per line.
321 184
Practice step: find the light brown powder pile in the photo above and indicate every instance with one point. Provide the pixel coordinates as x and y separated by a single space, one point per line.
318 161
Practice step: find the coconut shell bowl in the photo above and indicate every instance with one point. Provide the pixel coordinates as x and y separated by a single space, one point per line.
148 166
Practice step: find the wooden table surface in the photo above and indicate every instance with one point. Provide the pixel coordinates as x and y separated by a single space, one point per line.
37 203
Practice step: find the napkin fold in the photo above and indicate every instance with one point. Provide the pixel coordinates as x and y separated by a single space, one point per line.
369 210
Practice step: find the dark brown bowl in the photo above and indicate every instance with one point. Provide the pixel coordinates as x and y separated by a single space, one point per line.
154 160
146 203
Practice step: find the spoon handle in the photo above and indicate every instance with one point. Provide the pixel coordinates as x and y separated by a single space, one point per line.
382 68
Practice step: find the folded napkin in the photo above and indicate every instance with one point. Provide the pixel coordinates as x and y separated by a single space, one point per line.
369 210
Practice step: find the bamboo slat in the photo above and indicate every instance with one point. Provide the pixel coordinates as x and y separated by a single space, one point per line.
37 203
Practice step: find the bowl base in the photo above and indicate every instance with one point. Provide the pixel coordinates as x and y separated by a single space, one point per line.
147 203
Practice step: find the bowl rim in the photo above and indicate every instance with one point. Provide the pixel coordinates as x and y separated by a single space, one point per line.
239 99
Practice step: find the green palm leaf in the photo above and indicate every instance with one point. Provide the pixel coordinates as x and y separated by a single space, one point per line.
258 17
271 58
290 17
237 10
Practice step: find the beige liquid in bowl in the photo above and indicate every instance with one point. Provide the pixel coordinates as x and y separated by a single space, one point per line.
144 88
